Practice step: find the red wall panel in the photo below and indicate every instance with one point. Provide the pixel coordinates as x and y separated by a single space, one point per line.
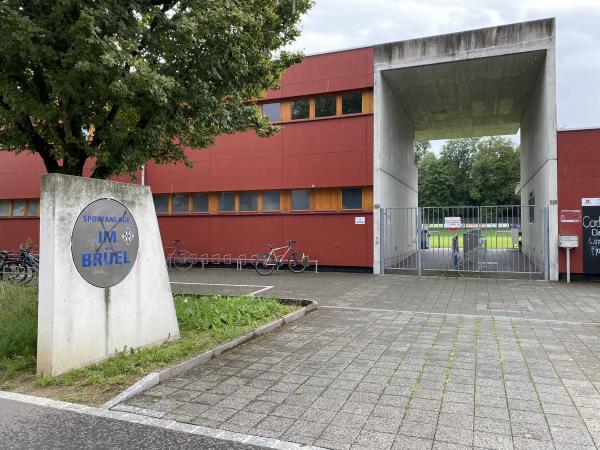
20 175
14 232
578 177
323 153
331 238
329 72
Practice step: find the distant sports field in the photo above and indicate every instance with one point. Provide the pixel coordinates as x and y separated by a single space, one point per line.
496 238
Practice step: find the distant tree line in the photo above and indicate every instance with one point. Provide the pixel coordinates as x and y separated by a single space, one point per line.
470 171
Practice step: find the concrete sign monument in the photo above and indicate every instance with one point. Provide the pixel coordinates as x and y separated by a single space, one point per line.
103 283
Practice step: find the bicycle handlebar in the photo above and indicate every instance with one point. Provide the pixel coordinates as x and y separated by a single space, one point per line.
291 242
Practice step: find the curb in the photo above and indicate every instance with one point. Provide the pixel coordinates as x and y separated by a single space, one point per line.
164 424
154 378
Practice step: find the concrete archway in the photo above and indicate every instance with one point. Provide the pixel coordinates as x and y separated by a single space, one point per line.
484 82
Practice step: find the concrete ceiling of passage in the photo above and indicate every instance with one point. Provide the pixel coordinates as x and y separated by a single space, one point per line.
467 98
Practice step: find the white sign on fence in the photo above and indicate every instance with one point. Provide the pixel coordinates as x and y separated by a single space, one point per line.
452 222
359 221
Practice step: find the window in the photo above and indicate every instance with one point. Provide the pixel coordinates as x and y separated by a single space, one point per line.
161 204
200 202
32 207
181 203
4 208
271 201
272 111
18 208
352 103
226 201
300 108
325 105
248 201
531 207
301 199
352 198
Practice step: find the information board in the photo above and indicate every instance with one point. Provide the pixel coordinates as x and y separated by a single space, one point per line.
452 222
590 223
104 242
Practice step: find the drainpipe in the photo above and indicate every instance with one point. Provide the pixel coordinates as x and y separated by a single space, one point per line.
143 177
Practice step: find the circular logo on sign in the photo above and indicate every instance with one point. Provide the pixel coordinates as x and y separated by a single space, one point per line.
104 242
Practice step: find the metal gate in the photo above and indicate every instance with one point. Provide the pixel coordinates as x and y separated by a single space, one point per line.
503 241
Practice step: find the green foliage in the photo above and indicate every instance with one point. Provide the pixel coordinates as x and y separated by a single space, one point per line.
470 171
495 172
220 313
18 327
124 82
422 148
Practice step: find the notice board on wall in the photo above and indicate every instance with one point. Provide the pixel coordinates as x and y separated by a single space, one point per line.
590 223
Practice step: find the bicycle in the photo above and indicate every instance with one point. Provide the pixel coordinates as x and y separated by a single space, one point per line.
181 259
266 263
21 268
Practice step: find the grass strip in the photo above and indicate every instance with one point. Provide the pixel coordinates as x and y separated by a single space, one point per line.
204 322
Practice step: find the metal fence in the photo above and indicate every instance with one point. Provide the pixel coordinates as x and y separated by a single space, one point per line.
487 240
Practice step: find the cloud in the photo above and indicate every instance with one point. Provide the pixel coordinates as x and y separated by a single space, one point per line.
338 24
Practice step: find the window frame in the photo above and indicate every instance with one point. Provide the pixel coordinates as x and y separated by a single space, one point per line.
168 198
173 203
323 96
221 211
257 201
360 92
360 190
300 99
268 115
279 198
193 202
292 209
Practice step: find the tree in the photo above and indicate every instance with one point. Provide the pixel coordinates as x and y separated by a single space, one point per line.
422 148
434 182
457 159
495 172
121 82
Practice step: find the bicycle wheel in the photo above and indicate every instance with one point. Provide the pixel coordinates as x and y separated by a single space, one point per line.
184 260
297 263
14 272
264 264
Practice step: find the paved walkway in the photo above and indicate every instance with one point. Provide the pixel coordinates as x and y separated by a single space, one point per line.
403 362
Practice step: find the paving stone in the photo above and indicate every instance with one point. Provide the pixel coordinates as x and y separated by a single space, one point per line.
343 435
454 435
368 440
290 411
382 424
492 441
494 426
307 428
275 423
417 429
349 420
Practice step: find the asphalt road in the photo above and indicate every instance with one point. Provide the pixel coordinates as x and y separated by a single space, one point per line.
25 426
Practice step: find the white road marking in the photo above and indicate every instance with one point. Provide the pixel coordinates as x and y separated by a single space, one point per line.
263 288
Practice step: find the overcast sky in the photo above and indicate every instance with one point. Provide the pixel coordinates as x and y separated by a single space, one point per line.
339 24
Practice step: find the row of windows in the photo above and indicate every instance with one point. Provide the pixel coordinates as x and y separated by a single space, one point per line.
327 105
266 201
20 208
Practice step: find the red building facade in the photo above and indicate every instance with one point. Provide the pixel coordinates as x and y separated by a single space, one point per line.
312 181
578 178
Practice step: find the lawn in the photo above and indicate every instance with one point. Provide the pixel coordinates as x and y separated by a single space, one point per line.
204 321
496 238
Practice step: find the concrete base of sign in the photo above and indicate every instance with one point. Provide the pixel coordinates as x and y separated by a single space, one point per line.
78 323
